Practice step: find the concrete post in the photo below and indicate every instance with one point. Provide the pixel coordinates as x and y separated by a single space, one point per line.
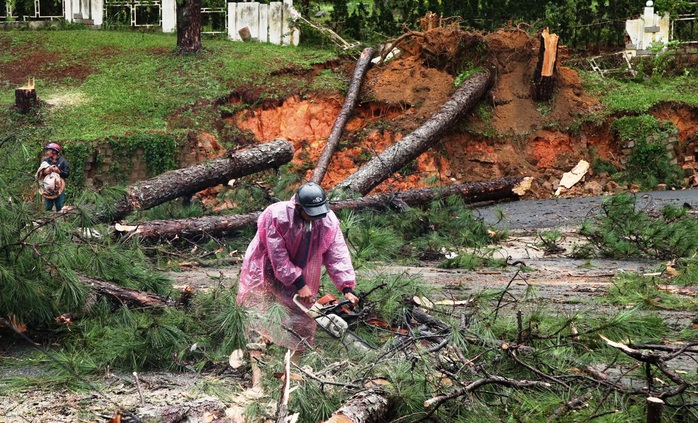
291 36
97 12
67 10
275 22
232 25
169 15
86 9
263 23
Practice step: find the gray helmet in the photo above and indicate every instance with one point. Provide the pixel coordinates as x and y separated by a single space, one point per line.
311 197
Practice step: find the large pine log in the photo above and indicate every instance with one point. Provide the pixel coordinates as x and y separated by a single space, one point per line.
392 159
182 182
126 296
511 187
363 407
349 104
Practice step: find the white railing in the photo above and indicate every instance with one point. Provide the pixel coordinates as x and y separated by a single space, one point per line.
266 23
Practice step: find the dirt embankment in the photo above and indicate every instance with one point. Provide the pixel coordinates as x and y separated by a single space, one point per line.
509 133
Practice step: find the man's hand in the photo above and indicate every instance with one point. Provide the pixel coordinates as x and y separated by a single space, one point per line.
55 169
306 294
352 298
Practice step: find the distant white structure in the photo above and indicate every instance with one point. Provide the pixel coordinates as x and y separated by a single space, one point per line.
267 23
84 9
650 29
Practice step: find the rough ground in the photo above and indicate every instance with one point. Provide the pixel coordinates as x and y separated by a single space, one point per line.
510 135
560 284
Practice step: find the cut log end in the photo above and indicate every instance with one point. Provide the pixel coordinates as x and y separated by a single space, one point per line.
25 99
522 187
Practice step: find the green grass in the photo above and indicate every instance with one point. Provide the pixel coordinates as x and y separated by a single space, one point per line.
138 83
638 97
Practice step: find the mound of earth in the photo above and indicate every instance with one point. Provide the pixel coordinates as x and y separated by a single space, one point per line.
508 133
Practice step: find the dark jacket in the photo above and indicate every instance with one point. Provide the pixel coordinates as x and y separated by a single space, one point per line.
62 164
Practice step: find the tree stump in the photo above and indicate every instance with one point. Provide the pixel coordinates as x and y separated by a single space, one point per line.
544 76
245 34
654 410
25 98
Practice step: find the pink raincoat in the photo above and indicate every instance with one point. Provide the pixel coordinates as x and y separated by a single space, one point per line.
285 247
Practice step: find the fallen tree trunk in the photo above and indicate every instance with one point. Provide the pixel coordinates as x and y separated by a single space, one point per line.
122 295
182 182
364 407
197 227
349 104
200 410
392 159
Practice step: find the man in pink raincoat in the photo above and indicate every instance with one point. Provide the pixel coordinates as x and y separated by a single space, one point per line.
294 239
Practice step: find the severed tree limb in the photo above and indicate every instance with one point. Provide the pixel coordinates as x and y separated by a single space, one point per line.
511 187
536 371
392 159
680 348
181 182
393 44
658 360
341 121
325 381
282 412
492 379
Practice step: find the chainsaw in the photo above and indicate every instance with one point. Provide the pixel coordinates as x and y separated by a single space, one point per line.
326 312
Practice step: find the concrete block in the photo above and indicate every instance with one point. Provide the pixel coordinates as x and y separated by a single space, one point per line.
275 22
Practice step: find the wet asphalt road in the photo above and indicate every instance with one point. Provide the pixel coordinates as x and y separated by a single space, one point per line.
561 212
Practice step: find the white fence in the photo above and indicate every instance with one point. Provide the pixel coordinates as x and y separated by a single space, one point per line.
267 23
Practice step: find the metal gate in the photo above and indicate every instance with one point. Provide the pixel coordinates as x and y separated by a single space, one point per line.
133 13
36 11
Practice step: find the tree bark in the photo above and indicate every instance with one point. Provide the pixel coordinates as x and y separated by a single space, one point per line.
188 26
381 167
544 75
197 227
341 121
363 407
177 183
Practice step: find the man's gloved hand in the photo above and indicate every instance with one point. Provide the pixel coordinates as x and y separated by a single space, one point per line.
352 298
306 294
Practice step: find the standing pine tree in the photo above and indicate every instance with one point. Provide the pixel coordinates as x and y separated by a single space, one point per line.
188 26
340 15
435 6
383 17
